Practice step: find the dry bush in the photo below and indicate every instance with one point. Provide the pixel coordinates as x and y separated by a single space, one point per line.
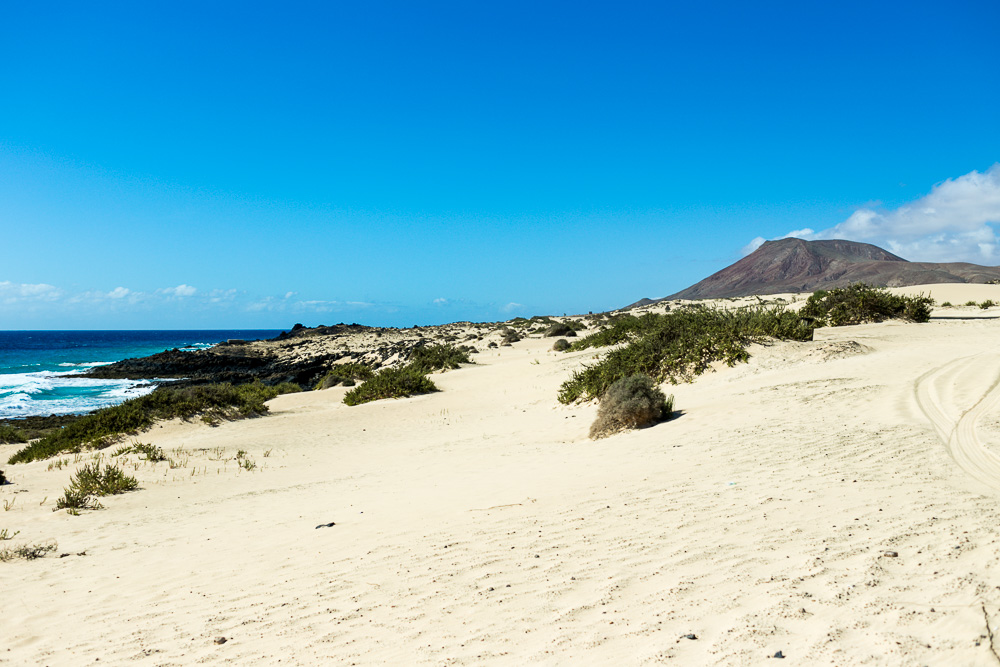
632 402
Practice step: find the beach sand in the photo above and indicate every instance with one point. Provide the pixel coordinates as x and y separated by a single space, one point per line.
836 501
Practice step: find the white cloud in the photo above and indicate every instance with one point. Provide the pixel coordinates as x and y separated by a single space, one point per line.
440 301
19 298
221 295
179 291
511 307
15 292
954 222
753 245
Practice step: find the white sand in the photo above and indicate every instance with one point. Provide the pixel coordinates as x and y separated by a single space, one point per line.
479 525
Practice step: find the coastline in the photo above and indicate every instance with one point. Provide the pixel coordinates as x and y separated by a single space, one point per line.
44 372
480 525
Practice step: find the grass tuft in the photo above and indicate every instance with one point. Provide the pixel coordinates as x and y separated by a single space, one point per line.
152 453
27 551
90 481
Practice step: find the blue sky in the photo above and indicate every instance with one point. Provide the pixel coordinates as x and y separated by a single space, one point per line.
181 165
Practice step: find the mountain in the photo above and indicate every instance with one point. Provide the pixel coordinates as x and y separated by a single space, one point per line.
794 265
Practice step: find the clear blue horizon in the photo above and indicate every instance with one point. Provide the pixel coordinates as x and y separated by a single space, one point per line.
244 165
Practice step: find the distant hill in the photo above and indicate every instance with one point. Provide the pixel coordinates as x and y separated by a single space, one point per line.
794 265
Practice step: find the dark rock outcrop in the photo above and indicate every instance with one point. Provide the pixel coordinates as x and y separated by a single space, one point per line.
219 364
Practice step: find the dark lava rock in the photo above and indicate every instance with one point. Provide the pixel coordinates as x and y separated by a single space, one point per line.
214 365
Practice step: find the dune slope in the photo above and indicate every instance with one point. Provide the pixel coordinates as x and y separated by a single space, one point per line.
479 525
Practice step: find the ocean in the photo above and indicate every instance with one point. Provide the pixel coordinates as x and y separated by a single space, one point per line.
40 370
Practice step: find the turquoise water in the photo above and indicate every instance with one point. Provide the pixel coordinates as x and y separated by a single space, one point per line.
39 370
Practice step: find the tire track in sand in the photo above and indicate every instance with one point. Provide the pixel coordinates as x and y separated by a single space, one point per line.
959 434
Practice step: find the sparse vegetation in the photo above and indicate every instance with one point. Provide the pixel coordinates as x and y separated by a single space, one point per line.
946 304
90 481
681 344
27 551
245 461
989 303
971 303
431 358
631 402
860 303
107 426
398 382
10 435
152 453
561 345
677 346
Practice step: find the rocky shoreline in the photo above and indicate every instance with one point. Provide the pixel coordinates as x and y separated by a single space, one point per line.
302 355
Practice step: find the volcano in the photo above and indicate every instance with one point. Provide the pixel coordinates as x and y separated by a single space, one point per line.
795 265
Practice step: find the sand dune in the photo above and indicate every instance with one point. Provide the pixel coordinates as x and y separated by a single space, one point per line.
479 525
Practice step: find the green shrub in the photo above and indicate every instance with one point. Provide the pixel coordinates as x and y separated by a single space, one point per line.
971 303
859 303
109 481
398 382
677 346
430 358
345 374
10 435
946 304
90 481
989 303
561 345
559 329
107 426
509 336
632 402
623 328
